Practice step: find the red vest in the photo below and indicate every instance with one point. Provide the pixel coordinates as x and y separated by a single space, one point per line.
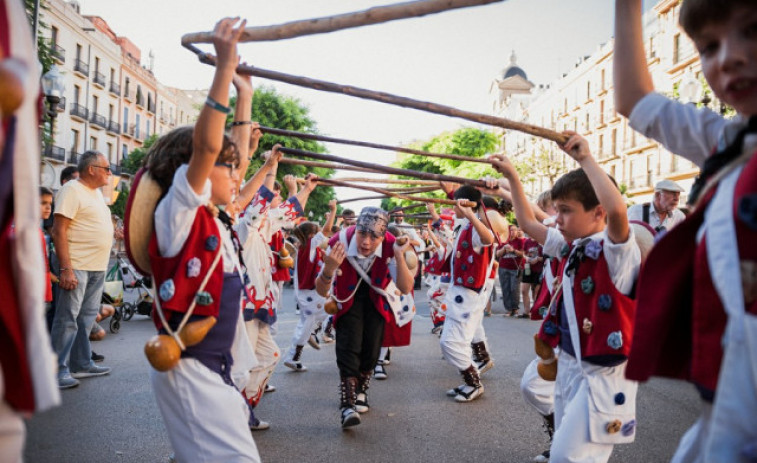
277 244
203 242
308 271
344 285
470 267
681 324
597 299
544 297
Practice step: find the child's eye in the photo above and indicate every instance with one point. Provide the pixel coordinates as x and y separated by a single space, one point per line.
708 48
750 31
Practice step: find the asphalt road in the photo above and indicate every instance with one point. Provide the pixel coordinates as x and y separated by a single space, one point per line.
115 419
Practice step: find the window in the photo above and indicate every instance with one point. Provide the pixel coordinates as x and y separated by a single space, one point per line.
110 151
124 151
97 64
138 121
78 51
95 100
126 87
676 48
601 146
588 121
614 142
93 143
588 90
77 91
110 112
53 35
126 119
602 112
602 80
112 75
74 141
147 128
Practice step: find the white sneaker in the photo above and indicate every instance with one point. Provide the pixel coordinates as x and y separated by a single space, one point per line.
379 372
269 388
483 367
455 390
361 403
296 366
94 370
542 457
469 393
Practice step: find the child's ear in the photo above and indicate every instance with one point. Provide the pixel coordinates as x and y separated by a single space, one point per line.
600 214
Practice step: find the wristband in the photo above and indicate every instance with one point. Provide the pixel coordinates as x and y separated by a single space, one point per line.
217 106
325 278
236 123
64 269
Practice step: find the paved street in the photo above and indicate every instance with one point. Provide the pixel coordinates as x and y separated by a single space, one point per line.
114 418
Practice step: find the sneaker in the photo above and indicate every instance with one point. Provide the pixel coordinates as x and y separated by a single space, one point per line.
296 366
94 370
361 403
455 390
259 425
350 417
469 393
437 330
379 372
67 382
328 339
483 367
542 457
270 388
97 357
522 315
313 341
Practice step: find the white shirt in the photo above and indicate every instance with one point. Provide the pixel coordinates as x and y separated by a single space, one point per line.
636 212
176 213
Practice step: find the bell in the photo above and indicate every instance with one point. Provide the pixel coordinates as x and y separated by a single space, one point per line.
547 371
286 262
194 332
284 252
543 350
330 307
163 352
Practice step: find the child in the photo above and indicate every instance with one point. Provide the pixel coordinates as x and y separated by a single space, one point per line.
308 265
46 209
438 268
700 324
205 416
471 263
591 316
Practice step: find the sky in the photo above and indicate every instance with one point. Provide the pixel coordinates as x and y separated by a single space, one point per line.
450 58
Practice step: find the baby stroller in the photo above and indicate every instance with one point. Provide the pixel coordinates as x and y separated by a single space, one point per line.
133 280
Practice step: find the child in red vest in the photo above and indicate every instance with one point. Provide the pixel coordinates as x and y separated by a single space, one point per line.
438 268
698 291
591 315
471 263
196 269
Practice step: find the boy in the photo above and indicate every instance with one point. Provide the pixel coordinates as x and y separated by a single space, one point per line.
46 209
700 325
591 317
471 263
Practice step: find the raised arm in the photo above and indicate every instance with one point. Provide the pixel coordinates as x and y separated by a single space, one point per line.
608 194
405 278
311 181
527 220
253 185
501 189
630 72
241 127
486 235
209 130
330 218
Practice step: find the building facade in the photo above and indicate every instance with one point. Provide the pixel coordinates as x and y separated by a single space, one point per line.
583 100
111 99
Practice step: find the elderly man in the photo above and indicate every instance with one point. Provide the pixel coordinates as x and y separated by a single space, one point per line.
83 234
662 213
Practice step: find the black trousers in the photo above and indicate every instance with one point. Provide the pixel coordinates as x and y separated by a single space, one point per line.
359 334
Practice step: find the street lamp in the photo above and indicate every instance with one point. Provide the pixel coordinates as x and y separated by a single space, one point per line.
53 86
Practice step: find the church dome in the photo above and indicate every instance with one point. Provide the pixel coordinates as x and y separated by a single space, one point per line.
513 69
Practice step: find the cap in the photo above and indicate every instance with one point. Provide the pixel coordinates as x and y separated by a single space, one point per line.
373 220
668 185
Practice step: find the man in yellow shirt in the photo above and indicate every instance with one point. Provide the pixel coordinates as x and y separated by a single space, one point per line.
83 234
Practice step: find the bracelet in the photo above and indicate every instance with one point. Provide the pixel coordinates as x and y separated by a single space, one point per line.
63 269
325 278
217 106
236 123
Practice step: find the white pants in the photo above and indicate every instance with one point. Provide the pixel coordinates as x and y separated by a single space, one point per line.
691 448
537 392
457 337
267 354
480 334
571 441
310 316
206 419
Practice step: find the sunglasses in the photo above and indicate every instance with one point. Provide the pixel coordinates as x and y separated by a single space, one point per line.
102 167
232 168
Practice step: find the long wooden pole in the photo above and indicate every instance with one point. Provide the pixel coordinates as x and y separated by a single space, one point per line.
423 189
405 208
384 169
389 99
325 165
362 198
312 136
448 202
326 24
386 181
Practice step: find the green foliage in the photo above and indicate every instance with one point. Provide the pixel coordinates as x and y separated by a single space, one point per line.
470 142
271 109
133 162
119 206
45 57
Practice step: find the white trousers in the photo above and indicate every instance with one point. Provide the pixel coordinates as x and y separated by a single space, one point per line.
310 316
571 441
536 391
206 419
691 448
457 336
267 354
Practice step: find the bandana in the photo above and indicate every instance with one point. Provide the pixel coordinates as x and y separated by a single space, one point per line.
372 220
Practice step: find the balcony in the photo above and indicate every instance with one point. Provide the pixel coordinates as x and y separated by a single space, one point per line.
54 152
136 133
62 104
115 88
128 130
127 94
140 101
114 127
115 168
58 52
98 121
73 158
81 67
79 112
98 78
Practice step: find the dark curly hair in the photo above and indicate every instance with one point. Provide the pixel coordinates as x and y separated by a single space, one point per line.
696 14
304 231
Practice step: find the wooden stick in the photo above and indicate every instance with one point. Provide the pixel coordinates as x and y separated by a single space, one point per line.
384 169
312 136
412 206
390 99
325 165
448 202
326 24
363 198
423 189
397 181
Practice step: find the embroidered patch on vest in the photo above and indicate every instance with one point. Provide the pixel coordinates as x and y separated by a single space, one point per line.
593 249
628 428
588 326
564 250
543 311
604 303
587 285
747 210
167 290
470 259
464 267
620 398
459 299
613 426
204 298
465 244
615 340
211 243
458 254
550 329
193 267
471 280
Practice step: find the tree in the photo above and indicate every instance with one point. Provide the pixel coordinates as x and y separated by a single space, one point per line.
119 206
271 109
133 162
470 142
45 57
